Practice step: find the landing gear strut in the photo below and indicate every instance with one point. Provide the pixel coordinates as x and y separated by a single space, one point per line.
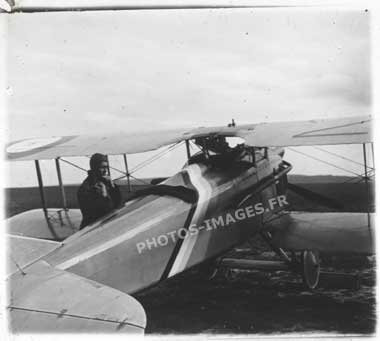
308 265
305 263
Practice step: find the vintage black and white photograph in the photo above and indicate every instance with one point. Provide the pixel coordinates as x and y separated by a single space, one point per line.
198 168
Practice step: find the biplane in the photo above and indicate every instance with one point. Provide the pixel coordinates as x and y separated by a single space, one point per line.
62 279
65 279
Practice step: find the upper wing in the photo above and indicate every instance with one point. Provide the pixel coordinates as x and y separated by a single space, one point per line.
299 133
80 145
349 130
43 298
332 232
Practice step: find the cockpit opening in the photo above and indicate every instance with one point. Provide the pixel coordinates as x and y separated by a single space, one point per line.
224 152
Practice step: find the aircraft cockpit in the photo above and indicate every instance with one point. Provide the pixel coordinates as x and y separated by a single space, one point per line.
220 152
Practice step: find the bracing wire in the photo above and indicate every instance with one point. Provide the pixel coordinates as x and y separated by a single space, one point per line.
137 179
370 174
340 156
113 168
139 166
156 157
323 161
73 164
140 180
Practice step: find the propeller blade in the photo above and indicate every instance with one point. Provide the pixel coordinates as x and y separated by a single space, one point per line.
316 197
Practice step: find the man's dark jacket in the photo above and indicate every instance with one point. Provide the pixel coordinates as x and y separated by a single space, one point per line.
92 203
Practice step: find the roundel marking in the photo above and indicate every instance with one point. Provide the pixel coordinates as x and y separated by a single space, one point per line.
31 144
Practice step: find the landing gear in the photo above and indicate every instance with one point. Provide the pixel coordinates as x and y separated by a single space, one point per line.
308 264
311 268
305 263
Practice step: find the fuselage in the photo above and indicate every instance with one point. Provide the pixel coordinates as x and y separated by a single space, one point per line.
155 237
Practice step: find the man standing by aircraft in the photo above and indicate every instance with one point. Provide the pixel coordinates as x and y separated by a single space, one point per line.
97 195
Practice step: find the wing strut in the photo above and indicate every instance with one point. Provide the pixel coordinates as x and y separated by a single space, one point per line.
43 198
41 188
127 171
188 149
366 184
63 194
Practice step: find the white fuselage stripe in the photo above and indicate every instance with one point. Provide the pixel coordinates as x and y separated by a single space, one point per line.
115 241
33 238
204 191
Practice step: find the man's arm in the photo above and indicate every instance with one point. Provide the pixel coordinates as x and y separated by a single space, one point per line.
115 195
110 190
94 200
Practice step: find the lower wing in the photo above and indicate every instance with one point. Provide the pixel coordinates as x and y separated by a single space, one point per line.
333 233
45 299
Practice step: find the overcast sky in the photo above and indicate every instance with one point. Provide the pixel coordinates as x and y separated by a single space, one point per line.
75 73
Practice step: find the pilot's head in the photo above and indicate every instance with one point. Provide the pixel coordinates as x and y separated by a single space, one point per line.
99 164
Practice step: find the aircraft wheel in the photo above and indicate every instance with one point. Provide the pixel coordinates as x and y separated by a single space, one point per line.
310 268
